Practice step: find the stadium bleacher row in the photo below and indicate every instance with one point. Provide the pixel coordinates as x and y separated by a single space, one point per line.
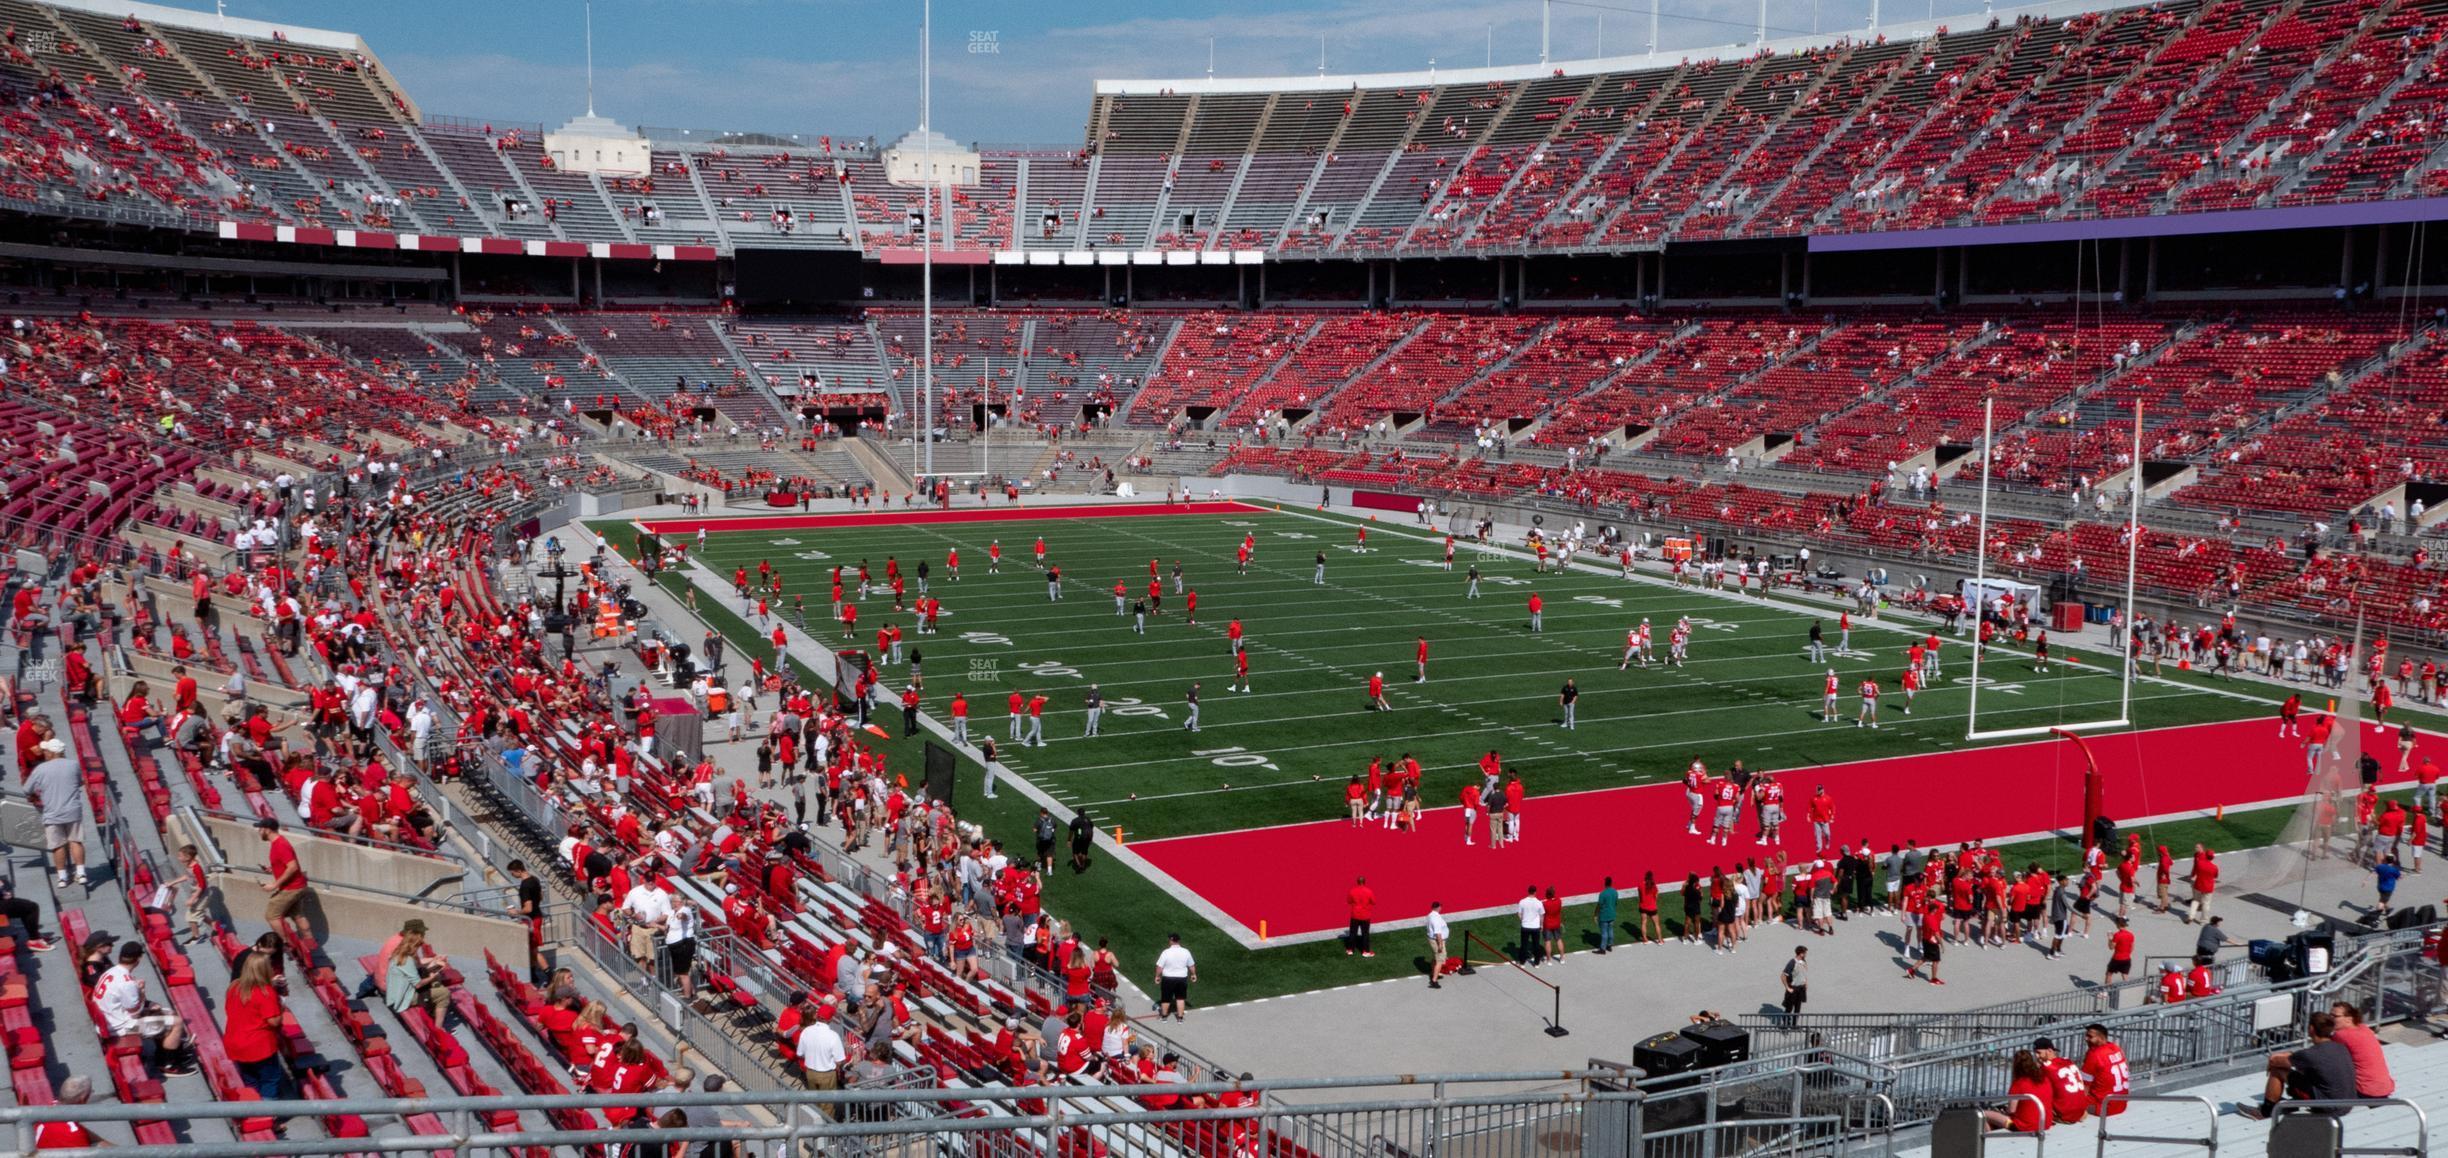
2185 106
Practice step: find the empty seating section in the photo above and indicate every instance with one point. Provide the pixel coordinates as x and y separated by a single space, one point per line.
977 357
1194 201
2234 88
1754 108
1961 86
2231 374
1215 359
1056 191
842 353
2359 146
570 200
1128 186
654 353
1081 357
1588 142
527 354
502 202
2025 364
1821 372
2377 432
1654 144
1409 382
1570 356
1700 358
1811 117
1340 346
2045 144
2188 105
982 215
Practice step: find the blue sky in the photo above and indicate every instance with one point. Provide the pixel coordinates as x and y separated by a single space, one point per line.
849 67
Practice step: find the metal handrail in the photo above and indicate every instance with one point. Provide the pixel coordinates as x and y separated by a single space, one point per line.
2422 1121
2209 1144
24 1118
2039 1137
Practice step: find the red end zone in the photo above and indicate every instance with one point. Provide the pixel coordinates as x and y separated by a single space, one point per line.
1293 877
887 518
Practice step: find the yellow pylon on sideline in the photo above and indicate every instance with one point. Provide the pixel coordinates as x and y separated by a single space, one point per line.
1117 834
1262 930
2222 813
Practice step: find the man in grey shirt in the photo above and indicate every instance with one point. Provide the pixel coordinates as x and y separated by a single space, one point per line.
56 785
2212 937
2319 1072
1096 708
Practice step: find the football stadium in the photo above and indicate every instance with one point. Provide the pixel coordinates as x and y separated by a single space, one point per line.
1825 582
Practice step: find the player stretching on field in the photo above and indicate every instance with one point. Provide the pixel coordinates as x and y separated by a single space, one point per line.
1241 680
1376 693
1827 705
1676 642
1422 677
1869 704
1449 549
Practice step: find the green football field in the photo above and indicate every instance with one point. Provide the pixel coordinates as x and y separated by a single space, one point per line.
1281 752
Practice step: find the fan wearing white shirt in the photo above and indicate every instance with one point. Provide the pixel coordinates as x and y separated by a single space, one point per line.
820 1060
680 947
650 910
1532 914
1438 931
1175 970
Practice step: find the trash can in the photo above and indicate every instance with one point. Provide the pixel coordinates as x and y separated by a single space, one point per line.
2068 615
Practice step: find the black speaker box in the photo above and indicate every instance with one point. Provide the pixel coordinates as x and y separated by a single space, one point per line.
1720 1043
1667 1053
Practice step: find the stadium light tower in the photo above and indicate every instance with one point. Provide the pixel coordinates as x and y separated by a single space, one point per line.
590 57
922 456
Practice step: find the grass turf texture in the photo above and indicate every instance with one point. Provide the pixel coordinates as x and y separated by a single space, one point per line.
1745 693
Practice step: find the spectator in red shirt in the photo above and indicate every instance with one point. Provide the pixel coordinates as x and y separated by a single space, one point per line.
288 883
1361 902
2028 1098
251 1028
75 1091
